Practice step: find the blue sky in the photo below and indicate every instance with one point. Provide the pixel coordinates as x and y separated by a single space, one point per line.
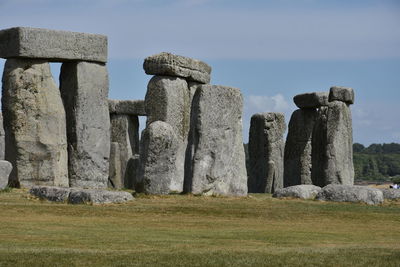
271 50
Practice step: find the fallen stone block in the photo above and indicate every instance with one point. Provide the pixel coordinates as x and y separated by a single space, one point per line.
5 170
311 100
266 151
391 193
51 193
127 107
218 162
344 94
173 65
348 193
24 42
95 196
305 191
34 124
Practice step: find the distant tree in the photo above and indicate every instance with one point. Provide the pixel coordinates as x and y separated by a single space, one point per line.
357 147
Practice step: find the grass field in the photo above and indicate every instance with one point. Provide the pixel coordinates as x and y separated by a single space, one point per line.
198 231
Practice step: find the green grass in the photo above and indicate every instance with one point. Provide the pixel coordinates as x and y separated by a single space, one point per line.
198 231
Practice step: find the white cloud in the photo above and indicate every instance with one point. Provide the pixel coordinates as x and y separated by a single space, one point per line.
257 103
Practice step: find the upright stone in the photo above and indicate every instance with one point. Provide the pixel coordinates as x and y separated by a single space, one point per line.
2 138
297 159
266 150
159 148
333 146
167 99
115 178
218 165
5 170
84 89
125 131
34 122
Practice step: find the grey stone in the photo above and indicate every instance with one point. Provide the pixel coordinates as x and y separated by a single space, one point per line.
5 170
304 191
2 138
24 42
159 148
332 145
125 131
311 100
127 107
266 150
34 124
348 193
297 159
84 89
168 100
173 65
115 173
391 193
218 162
97 196
344 94
51 193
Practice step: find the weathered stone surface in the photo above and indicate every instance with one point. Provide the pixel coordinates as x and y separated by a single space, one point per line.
297 159
96 196
52 45
332 145
80 196
173 65
348 193
127 107
158 156
5 170
125 131
115 173
218 165
266 150
304 191
391 194
2 138
51 193
311 100
344 94
84 89
34 123
167 99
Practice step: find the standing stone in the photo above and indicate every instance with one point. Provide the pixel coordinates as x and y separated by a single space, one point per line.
333 146
34 123
266 149
218 166
297 159
159 148
167 99
2 138
5 170
84 89
115 178
125 131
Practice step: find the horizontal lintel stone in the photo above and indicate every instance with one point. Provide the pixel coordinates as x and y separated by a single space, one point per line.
53 45
311 100
127 107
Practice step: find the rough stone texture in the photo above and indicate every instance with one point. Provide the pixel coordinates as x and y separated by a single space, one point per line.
344 94
266 150
5 170
391 194
168 100
127 107
348 193
52 45
174 65
84 89
158 156
305 191
218 166
80 196
297 159
34 124
311 100
2 138
332 145
115 178
125 131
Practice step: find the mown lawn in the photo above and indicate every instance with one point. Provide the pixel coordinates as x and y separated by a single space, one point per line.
198 231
